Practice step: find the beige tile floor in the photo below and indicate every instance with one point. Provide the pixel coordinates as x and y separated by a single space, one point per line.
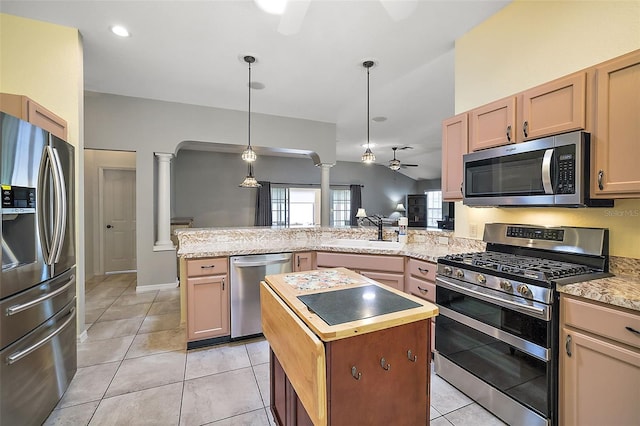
133 369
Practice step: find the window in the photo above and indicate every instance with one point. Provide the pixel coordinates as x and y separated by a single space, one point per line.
434 208
292 207
340 208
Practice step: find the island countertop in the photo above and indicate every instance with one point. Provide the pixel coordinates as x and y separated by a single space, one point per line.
292 285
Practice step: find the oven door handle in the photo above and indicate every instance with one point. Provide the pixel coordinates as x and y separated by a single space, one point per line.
541 313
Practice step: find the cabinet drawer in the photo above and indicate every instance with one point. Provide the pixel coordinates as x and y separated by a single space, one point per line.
421 288
211 266
361 261
422 269
604 321
392 280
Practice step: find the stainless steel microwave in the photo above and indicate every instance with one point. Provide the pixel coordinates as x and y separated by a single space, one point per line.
552 171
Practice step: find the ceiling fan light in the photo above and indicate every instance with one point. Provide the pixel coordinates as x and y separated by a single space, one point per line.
368 157
394 165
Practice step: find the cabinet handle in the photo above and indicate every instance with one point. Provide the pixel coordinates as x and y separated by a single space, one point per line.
509 133
384 364
567 345
633 330
423 270
222 284
298 261
600 178
461 183
412 357
525 129
207 266
355 373
423 290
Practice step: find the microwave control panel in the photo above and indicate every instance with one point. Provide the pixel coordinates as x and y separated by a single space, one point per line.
566 183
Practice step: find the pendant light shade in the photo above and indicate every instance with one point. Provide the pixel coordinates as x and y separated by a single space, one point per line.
249 154
368 156
250 181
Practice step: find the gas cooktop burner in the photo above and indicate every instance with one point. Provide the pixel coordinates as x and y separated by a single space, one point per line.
525 266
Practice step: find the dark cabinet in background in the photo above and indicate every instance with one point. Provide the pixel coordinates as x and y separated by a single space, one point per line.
417 210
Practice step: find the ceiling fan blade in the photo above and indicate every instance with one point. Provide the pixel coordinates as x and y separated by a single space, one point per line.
408 165
405 147
291 20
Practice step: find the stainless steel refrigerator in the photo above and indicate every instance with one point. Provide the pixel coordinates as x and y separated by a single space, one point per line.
38 281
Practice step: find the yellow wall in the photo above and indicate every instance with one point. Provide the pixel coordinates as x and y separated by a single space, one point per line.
44 62
528 43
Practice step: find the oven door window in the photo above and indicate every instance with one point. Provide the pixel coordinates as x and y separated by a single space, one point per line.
524 377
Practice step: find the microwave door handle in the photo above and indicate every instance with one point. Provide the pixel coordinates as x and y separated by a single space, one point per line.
43 210
60 206
546 171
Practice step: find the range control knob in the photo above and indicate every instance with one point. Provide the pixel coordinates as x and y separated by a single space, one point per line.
447 270
524 290
459 273
506 285
481 278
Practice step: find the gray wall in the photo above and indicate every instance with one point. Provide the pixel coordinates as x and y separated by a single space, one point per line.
428 185
146 126
206 185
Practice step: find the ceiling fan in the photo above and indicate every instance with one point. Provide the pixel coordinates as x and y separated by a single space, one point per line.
293 11
395 164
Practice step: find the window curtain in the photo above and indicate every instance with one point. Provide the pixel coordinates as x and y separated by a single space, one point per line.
356 202
263 205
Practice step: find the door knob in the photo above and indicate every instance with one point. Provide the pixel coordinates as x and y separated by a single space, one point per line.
109 226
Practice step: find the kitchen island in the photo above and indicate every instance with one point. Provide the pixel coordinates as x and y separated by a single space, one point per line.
345 349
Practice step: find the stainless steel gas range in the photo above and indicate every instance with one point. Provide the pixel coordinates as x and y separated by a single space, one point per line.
497 332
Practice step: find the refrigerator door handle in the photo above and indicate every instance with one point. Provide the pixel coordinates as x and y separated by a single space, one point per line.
60 206
12 310
43 213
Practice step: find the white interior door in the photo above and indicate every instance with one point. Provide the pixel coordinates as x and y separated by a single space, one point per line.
119 220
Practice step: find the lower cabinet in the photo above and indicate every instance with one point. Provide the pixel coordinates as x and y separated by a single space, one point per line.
421 282
207 299
303 261
388 270
377 378
599 364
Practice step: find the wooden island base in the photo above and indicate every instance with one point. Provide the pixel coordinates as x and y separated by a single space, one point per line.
373 371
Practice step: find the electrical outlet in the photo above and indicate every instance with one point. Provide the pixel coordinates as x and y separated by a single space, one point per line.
443 240
473 230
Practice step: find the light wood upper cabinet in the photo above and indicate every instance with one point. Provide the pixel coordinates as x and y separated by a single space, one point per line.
599 364
455 137
29 110
493 124
552 108
617 128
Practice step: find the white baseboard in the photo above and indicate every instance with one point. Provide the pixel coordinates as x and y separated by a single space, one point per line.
154 287
83 336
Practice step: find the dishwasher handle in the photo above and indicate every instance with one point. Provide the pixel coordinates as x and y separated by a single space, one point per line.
246 264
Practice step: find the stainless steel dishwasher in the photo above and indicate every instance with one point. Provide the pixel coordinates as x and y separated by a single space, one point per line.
246 274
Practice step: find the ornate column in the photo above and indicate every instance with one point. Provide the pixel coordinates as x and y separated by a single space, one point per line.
163 224
325 195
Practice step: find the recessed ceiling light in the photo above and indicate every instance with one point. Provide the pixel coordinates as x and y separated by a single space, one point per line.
379 119
119 30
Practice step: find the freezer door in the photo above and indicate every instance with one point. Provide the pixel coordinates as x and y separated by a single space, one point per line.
36 370
21 152
65 256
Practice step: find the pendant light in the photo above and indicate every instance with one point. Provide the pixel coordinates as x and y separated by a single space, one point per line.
250 181
368 156
249 154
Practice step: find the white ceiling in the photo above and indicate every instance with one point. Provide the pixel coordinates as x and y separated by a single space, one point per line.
191 52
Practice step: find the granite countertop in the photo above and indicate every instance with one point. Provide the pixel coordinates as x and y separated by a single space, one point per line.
622 290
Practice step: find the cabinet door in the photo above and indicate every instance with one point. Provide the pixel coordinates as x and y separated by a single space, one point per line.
555 107
207 307
392 280
455 137
386 391
29 110
600 382
303 261
493 124
617 128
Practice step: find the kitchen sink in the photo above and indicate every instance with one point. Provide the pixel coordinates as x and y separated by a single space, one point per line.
371 244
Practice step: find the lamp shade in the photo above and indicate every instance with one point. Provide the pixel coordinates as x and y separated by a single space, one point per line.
361 213
400 208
